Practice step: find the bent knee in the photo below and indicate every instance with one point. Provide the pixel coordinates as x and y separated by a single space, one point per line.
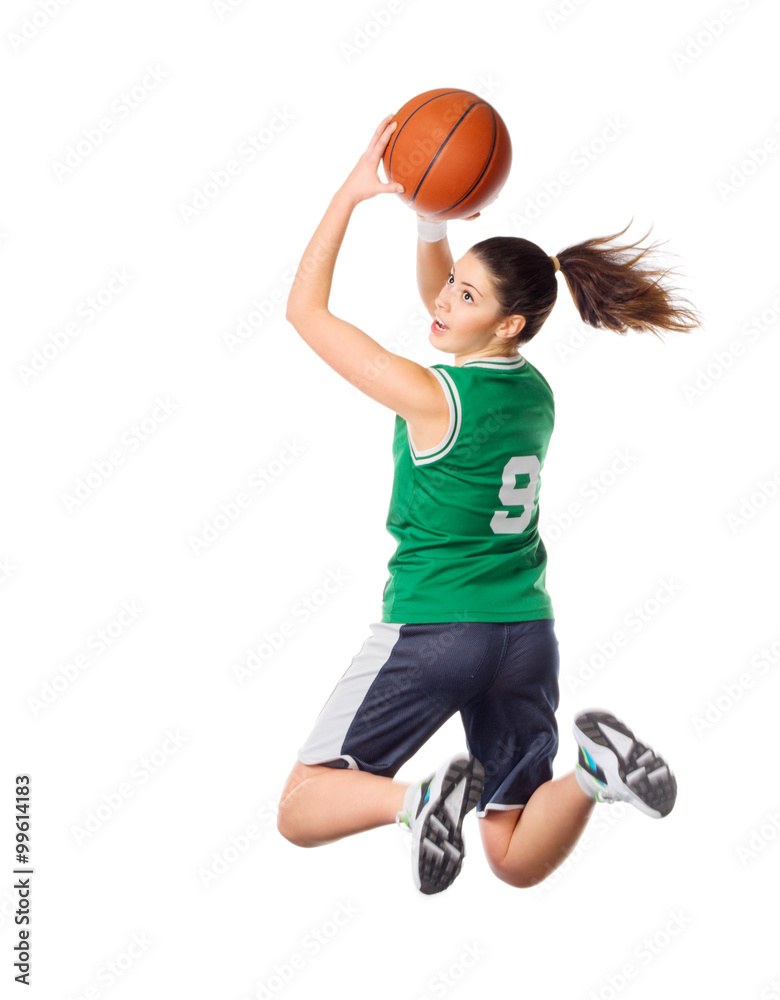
286 822
497 829
291 816
293 833
291 823
507 865
516 875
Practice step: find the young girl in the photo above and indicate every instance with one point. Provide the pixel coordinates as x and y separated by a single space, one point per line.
467 623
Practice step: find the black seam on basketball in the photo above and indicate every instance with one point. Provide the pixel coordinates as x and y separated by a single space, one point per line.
452 132
400 130
482 174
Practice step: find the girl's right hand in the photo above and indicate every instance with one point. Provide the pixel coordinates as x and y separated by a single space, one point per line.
363 181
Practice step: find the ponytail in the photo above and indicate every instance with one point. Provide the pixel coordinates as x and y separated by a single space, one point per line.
614 287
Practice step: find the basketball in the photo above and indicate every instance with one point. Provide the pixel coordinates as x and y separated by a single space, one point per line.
451 151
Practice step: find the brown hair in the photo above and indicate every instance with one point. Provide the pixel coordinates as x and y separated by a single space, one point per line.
614 287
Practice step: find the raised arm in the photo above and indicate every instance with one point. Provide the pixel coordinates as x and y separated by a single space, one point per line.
434 261
409 389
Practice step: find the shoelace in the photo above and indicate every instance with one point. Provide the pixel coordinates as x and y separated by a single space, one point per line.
404 820
602 794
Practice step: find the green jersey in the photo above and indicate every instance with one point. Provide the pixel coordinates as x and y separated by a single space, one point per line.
465 513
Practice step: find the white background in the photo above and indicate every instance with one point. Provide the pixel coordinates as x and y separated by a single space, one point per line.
150 761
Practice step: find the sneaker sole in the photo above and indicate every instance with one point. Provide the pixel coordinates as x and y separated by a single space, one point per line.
634 771
437 845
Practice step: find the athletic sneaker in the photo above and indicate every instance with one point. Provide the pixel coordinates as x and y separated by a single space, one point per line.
433 811
613 766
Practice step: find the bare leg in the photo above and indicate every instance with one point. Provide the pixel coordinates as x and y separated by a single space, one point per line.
524 846
322 804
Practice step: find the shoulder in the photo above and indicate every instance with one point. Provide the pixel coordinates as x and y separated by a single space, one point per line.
534 372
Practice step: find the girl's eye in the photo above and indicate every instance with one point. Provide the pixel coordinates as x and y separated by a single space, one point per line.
451 281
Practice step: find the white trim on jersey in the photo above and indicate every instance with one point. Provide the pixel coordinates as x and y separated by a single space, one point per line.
496 363
453 402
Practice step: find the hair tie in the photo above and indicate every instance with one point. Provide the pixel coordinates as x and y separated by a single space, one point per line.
557 264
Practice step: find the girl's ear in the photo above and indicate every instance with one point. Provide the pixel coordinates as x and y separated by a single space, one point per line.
511 326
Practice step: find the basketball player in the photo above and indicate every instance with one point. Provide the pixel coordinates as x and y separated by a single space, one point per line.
467 623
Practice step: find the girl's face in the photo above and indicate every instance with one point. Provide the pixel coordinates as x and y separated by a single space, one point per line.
467 319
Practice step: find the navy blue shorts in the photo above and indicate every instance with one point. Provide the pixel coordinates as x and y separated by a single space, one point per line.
408 679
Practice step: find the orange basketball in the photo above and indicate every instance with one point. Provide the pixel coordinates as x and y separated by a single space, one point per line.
451 151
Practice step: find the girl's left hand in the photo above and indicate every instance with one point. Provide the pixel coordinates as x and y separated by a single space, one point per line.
363 182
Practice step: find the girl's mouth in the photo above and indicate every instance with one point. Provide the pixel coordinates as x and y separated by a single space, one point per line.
437 326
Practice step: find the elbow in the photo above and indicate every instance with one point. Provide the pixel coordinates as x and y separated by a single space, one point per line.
289 310
292 315
297 312
296 304
302 316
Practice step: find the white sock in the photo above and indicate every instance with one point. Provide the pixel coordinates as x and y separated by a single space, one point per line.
409 795
585 781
